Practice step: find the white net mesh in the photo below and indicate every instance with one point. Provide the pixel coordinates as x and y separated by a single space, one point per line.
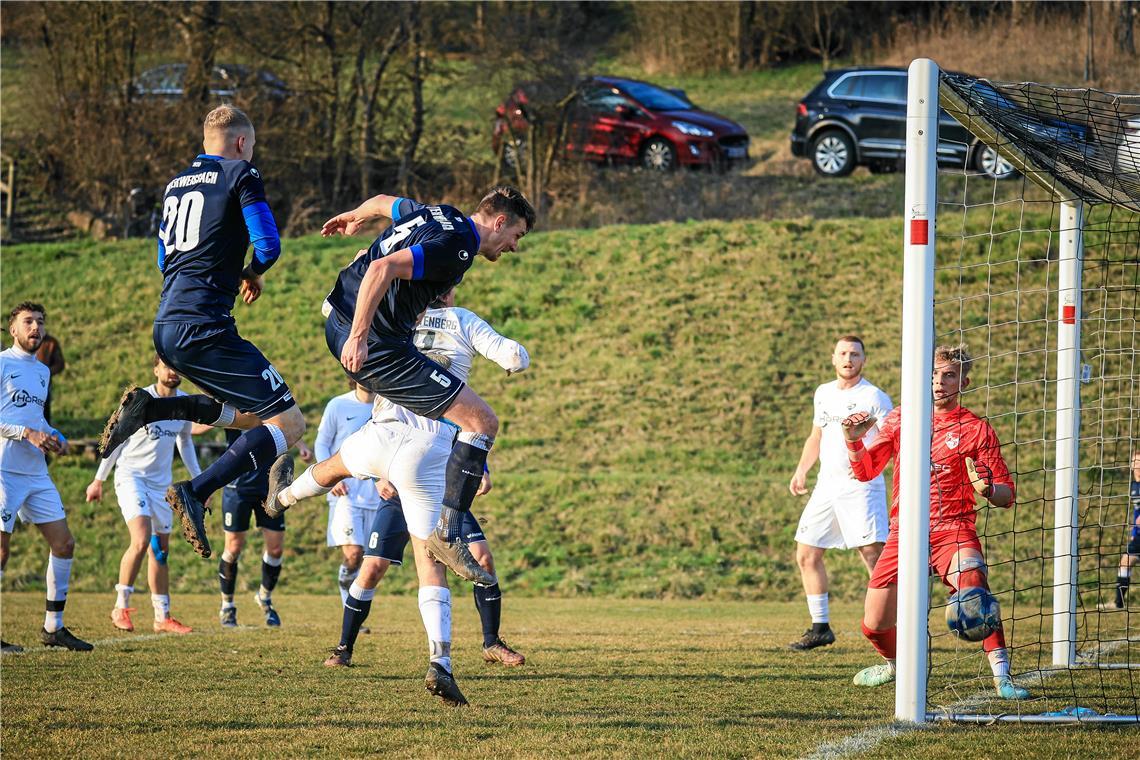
996 289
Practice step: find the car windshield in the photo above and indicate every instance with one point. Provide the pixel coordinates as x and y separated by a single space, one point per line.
654 98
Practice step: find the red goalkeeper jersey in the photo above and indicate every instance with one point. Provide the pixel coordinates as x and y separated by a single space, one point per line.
956 435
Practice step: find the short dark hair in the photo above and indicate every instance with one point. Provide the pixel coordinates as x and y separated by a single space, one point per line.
26 306
157 359
505 199
853 339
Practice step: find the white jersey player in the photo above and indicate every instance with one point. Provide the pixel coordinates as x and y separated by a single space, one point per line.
352 502
142 475
26 490
411 453
842 513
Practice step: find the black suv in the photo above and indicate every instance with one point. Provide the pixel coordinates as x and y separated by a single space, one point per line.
857 117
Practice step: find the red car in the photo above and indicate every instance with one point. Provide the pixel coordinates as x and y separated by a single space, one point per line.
615 120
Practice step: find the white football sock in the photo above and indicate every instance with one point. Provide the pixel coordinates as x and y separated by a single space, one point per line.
999 662
435 609
345 579
304 487
58 577
817 606
363 594
161 603
123 598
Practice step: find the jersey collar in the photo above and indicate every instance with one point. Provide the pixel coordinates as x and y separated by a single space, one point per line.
475 232
212 158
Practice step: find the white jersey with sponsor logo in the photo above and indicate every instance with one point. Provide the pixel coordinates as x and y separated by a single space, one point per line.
832 404
458 334
149 453
25 386
343 416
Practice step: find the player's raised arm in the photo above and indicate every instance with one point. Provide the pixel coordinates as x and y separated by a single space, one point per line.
350 222
866 463
508 354
379 277
988 472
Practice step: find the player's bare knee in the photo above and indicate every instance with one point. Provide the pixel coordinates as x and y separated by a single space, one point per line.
291 422
64 547
808 556
353 556
371 571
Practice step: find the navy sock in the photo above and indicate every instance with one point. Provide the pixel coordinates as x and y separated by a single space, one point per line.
464 474
254 449
489 602
196 408
227 577
1121 590
269 575
355 613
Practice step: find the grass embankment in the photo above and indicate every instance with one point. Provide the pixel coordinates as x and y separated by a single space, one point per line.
645 453
604 679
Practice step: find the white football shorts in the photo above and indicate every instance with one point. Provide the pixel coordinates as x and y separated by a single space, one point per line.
348 525
413 460
139 497
844 517
33 497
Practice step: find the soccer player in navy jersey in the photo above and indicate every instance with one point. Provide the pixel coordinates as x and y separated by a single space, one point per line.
372 313
211 212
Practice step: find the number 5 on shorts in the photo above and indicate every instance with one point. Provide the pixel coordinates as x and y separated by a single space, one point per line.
443 380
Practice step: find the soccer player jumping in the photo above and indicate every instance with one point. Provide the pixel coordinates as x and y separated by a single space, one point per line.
965 460
211 212
372 313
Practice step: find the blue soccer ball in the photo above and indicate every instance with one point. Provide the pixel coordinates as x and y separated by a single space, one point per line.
973 613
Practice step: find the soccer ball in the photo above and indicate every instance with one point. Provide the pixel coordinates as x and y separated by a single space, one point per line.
973 613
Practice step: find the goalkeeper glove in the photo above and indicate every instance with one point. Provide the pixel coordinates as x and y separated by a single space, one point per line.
981 478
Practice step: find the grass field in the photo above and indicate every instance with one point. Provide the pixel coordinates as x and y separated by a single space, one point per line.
605 678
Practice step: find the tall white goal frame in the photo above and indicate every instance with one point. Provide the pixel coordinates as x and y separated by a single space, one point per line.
919 216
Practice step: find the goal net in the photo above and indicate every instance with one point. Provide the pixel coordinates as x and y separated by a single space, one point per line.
1022 240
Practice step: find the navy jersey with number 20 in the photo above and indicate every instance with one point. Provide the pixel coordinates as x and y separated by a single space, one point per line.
443 243
210 211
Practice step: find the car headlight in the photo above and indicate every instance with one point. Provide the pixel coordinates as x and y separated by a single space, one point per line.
692 130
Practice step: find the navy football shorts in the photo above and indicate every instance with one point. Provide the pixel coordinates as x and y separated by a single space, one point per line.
389 535
398 372
237 508
224 365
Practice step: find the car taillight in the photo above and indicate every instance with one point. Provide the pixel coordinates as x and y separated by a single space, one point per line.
801 109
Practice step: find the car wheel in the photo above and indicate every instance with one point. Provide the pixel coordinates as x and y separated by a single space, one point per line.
990 163
833 154
659 155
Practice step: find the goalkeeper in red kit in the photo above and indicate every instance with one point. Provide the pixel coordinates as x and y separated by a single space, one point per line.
966 462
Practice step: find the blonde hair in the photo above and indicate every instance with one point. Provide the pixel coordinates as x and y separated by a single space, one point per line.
228 120
959 354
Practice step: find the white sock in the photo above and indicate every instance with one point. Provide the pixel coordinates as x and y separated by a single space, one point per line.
999 662
304 487
58 577
817 606
435 609
478 440
278 439
226 417
345 578
161 604
891 666
363 594
272 561
123 600
228 602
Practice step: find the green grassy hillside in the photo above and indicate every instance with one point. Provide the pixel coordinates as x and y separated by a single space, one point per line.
647 452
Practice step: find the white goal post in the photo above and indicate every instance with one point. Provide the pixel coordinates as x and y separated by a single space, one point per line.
1057 642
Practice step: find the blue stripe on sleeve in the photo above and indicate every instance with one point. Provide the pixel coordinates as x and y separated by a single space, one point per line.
396 209
263 235
161 255
417 261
